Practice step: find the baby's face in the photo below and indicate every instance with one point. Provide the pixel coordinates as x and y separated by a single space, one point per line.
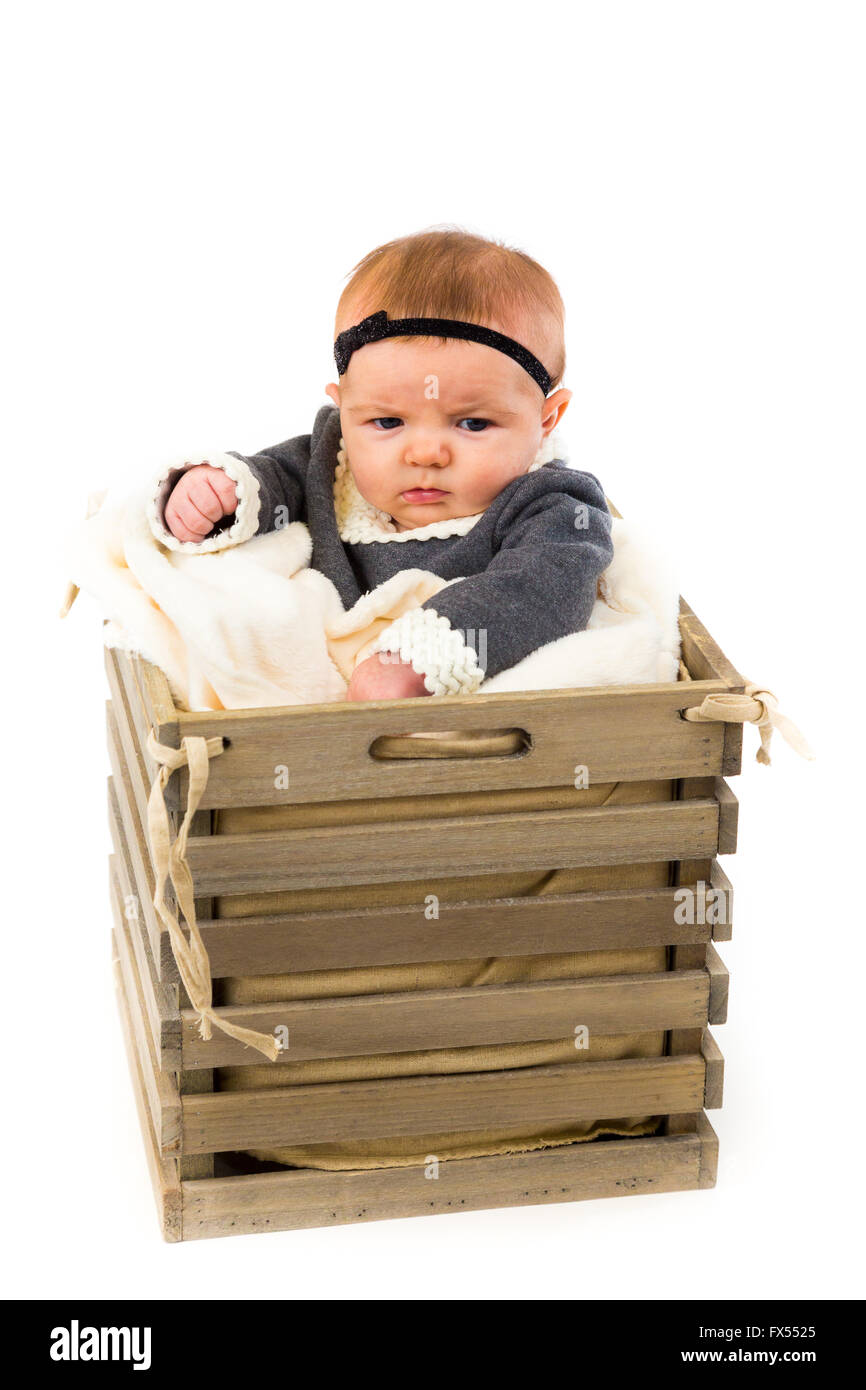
435 430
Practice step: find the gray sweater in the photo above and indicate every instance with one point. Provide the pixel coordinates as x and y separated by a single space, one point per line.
524 573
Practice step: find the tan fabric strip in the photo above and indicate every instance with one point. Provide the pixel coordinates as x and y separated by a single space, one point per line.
169 861
755 706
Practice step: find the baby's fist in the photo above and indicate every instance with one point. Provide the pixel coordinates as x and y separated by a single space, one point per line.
201 498
384 677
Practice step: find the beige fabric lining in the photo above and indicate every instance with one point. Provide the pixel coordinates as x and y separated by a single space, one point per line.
415 1150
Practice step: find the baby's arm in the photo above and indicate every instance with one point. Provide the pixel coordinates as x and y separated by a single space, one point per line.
228 498
553 543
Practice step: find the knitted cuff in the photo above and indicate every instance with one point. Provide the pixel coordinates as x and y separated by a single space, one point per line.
246 521
435 650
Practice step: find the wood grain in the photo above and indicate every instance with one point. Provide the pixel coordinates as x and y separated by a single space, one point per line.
368 1025
709 1152
296 1200
621 733
121 800
159 1088
161 1011
453 846
719 881
706 660
163 1170
715 1074
543 925
720 982
437 1104
729 811
132 719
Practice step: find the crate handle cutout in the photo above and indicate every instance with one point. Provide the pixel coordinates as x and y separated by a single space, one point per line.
170 862
755 706
474 743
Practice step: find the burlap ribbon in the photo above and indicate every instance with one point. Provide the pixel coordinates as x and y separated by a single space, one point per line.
169 861
754 706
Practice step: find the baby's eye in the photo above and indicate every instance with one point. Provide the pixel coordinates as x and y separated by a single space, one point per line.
387 422
474 425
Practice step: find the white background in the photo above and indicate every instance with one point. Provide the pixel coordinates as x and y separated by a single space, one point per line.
185 187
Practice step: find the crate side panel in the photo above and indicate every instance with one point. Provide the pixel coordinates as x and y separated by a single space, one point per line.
322 753
304 1199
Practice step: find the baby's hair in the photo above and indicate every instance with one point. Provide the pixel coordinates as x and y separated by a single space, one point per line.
451 274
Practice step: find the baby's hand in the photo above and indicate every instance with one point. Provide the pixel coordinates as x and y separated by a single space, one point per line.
383 677
201 498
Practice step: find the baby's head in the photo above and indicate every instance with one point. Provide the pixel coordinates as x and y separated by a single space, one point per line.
436 427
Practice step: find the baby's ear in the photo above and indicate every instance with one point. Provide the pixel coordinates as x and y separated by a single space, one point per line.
333 390
553 410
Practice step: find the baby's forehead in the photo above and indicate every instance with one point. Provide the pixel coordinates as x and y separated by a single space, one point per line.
449 370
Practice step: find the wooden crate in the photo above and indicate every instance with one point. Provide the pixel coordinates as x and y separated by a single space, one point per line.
194 1132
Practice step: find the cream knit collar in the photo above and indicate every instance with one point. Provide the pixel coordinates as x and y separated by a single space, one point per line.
360 523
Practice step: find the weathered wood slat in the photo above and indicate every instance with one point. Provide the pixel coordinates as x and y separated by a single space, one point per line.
709 1152
130 731
296 1200
159 1087
729 811
121 796
706 661
165 990
620 733
720 982
487 1014
544 925
397 851
160 1010
715 1078
703 655
132 721
149 696
533 1096
163 1170
196 1082
722 929
117 713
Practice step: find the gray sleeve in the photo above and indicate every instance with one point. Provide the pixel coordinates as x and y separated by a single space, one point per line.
542 581
280 475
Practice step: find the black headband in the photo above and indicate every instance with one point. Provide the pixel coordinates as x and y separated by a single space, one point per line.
378 326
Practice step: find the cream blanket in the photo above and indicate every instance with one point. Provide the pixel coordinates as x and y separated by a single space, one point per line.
254 626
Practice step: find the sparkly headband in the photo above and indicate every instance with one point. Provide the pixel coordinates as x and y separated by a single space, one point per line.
378 326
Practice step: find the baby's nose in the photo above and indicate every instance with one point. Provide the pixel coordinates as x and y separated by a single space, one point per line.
427 451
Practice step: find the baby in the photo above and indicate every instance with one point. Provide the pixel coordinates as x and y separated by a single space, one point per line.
437 455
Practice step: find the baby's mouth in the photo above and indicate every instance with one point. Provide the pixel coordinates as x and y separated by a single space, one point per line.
422 495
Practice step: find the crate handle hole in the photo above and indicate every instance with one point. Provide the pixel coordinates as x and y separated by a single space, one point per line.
473 743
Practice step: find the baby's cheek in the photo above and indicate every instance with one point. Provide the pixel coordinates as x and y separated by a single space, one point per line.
490 477
370 482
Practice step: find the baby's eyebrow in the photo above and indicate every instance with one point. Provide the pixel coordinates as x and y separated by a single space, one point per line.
478 406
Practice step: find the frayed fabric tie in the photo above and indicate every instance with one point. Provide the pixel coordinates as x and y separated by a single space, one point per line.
754 706
170 862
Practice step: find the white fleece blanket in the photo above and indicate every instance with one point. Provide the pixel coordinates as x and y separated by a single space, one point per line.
254 626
